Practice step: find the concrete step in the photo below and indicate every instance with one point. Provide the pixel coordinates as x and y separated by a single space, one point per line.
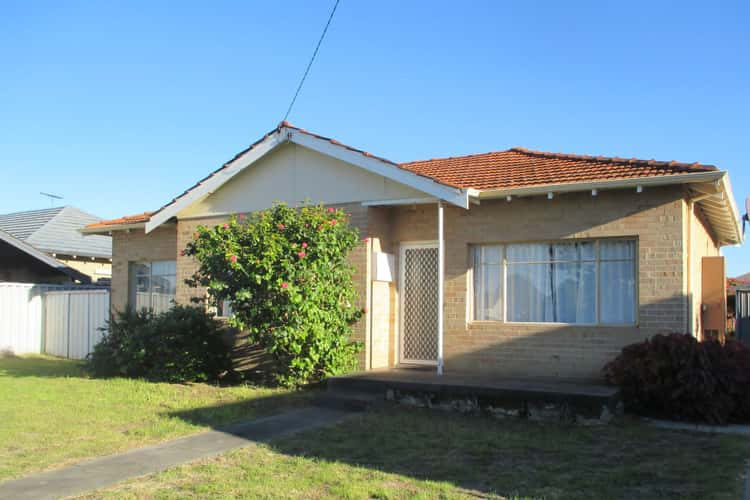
349 400
356 384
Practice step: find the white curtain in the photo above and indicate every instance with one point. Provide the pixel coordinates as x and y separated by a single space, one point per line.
552 283
556 282
529 283
488 283
617 282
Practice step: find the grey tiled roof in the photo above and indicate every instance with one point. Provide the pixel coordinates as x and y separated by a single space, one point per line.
57 230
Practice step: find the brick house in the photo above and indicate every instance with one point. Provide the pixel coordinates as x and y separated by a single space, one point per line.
514 263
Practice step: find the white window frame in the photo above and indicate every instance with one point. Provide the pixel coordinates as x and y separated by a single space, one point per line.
504 283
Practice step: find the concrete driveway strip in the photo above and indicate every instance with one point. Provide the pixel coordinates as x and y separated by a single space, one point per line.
105 471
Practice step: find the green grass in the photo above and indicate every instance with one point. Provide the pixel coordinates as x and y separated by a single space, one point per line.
53 414
419 454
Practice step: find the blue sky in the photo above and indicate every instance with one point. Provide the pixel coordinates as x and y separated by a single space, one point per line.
119 106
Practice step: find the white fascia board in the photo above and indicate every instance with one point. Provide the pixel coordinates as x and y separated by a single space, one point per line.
113 227
403 201
600 185
731 205
216 180
454 196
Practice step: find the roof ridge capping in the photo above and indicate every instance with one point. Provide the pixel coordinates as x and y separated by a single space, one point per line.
614 159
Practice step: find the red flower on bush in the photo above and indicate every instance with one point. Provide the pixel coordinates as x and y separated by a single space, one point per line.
301 255
304 245
226 226
285 285
242 216
331 210
281 227
233 258
333 222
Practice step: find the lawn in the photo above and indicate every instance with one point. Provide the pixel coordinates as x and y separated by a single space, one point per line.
53 414
416 453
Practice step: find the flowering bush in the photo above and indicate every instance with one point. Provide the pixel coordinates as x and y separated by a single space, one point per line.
286 274
675 376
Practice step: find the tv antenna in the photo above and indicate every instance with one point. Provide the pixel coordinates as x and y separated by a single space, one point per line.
52 198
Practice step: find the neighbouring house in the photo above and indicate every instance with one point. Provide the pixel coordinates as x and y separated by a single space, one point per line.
512 263
72 257
22 263
741 282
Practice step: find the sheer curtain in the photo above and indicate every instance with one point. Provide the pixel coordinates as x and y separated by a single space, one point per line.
556 282
617 281
574 282
552 282
529 283
488 274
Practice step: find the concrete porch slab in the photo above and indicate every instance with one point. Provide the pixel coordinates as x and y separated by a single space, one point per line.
456 384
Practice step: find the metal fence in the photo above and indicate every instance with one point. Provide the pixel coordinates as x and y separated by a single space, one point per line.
742 314
53 319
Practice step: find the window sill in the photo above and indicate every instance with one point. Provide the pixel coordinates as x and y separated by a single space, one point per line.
542 323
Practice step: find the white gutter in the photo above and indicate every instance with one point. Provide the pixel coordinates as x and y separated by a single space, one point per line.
404 201
567 187
113 227
732 205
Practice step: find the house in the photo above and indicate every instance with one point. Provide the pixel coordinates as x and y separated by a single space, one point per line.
512 263
56 233
22 263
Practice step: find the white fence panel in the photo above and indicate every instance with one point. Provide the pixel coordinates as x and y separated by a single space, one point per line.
56 324
73 320
21 318
98 315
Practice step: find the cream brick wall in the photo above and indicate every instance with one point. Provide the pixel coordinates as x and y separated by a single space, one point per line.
653 217
187 266
657 218
134 246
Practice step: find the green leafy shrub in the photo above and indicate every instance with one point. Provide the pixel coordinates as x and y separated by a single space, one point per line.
183 344
675 376
286 273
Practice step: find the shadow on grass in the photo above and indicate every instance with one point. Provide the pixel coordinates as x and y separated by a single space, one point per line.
220 415
40 366
516 458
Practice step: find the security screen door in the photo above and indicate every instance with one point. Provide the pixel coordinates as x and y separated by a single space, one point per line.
419 303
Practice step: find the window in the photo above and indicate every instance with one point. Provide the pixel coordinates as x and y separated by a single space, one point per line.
579 282
224 309
153 284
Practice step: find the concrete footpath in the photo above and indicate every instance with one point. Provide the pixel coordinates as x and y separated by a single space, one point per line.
105 471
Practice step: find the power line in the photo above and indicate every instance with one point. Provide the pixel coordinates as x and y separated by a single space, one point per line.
312 59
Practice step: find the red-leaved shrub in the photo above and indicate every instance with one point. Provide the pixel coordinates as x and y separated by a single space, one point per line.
675 376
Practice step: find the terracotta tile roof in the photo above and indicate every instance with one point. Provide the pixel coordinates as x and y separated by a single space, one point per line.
520 167
128 219
516 167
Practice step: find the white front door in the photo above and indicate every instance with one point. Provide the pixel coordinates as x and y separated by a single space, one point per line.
419 303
